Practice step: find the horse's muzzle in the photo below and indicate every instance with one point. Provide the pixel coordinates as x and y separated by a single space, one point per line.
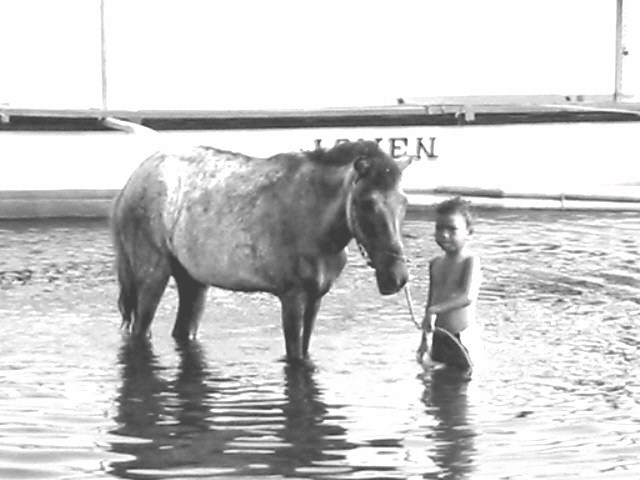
392 277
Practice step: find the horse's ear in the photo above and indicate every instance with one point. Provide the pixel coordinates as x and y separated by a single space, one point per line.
362 165
404 161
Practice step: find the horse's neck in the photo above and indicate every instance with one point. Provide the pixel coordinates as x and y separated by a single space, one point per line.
336 233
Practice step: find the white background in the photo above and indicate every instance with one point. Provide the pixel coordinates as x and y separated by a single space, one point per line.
250 54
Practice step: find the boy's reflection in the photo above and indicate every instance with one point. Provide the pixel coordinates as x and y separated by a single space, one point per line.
446 396
201 422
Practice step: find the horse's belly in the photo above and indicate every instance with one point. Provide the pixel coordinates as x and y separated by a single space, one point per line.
229 258
240 279
233 270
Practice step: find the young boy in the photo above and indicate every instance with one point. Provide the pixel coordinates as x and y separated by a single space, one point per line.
454 282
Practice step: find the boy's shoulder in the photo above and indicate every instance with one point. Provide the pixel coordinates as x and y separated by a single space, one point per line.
471 258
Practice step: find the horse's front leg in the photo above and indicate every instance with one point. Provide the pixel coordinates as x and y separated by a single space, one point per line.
310 313
293 311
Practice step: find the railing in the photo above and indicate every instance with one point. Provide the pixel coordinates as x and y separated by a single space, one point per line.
472 110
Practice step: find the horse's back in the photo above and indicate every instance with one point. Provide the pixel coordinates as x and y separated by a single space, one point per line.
222 215
203 175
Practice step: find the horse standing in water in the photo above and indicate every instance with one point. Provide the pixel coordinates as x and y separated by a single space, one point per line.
209 217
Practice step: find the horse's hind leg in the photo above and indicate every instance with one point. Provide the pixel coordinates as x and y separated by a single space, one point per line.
150 287
192 297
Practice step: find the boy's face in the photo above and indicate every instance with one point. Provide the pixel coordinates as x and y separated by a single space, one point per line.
451 232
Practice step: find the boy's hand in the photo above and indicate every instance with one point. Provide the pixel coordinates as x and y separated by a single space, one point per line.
422 348
427 322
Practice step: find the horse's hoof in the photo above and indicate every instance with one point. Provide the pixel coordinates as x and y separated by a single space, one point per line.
183 342
137 340
182 337
300 362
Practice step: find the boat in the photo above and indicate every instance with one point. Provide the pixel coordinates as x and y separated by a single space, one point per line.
535 151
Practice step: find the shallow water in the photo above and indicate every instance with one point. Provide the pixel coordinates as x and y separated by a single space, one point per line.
558 397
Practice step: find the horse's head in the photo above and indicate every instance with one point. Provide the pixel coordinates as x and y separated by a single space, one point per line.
375 211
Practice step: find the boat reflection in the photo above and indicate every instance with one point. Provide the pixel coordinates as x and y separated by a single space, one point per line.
192 422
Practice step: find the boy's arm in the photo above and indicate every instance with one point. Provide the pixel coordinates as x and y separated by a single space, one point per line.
427 321
468 292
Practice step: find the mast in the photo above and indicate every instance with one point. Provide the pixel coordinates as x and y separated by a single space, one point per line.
620 50
103 55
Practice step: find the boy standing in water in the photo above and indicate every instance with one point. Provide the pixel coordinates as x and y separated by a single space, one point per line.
454 283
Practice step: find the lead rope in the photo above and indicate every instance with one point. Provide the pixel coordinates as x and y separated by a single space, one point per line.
407 294
353 227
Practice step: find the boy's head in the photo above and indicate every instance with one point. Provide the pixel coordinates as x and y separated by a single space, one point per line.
454 223
457 206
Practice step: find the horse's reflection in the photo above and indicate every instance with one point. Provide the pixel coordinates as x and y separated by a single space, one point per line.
190 418
193 391
156 412
310 434
140 401
445 395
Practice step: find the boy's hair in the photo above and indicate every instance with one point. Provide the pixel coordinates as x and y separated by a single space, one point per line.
457 205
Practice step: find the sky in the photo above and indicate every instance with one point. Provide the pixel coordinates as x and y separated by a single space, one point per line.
250 54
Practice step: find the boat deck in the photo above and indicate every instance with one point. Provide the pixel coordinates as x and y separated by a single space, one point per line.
446 111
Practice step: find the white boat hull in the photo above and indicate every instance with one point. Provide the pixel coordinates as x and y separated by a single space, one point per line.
566 165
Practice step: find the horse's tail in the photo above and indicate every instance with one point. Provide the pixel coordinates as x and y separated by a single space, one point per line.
128 298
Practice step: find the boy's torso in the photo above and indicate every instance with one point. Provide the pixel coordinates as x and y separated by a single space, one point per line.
448 279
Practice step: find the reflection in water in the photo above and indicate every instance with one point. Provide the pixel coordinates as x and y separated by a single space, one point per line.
195 423
445 396
305 431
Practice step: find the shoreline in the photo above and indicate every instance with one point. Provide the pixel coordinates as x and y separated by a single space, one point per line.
96 204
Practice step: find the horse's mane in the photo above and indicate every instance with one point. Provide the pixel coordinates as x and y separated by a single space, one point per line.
222 151
345 152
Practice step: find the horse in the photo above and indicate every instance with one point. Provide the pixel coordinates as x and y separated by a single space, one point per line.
211 217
